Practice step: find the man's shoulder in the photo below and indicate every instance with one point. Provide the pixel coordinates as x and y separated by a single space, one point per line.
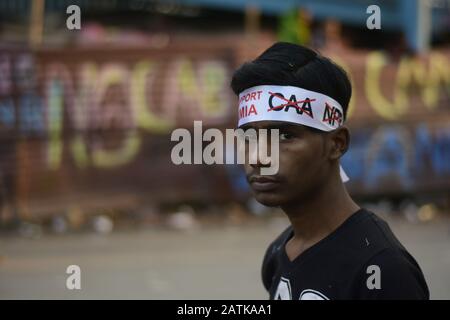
364 232
370 235
348 255
366 248
384 254
371 240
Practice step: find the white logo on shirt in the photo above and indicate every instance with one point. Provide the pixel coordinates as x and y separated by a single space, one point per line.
310 294
284 292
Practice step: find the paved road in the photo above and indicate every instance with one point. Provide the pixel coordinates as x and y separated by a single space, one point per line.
210 263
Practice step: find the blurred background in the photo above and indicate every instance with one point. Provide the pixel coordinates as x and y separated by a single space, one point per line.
86 115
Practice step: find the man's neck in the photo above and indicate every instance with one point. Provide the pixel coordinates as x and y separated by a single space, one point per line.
314 219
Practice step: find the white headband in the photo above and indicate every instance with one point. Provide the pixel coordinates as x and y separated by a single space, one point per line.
291 104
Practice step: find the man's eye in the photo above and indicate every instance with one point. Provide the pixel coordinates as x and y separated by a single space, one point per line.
285 136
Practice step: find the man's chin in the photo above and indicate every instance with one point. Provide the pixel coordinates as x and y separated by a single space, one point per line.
268 199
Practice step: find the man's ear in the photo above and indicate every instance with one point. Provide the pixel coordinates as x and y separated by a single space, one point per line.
339 142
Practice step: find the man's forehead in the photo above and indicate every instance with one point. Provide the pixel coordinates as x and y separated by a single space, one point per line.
268 124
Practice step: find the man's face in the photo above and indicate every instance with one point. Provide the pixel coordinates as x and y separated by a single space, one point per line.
303 165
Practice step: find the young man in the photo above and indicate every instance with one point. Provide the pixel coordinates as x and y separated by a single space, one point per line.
333 249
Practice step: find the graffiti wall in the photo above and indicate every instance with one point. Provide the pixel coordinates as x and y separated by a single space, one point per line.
395 158
400 120
76 124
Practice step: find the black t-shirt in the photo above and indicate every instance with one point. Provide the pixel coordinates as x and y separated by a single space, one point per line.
361 259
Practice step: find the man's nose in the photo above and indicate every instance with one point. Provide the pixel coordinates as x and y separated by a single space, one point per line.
257 157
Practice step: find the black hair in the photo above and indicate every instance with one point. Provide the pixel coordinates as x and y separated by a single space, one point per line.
294 65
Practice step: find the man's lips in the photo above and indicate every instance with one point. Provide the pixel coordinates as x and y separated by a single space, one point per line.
263 183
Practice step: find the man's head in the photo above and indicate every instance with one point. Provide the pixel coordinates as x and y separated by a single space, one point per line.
308 157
